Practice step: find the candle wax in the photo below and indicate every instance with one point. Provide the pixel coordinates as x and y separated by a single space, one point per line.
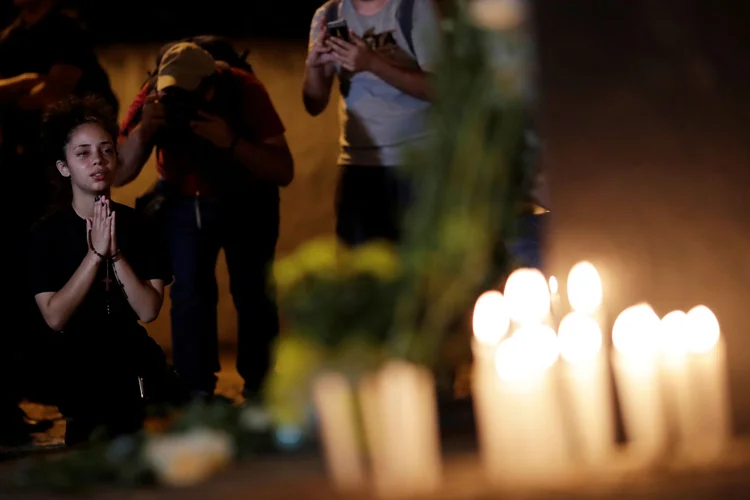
590 397
700 403
639 387
531 446
334 400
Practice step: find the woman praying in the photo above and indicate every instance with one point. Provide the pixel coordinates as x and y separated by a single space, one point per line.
97 269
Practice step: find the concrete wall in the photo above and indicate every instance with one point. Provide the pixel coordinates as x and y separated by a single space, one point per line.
647 117
306 205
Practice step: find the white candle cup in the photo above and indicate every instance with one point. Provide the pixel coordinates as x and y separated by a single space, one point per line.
635 361
338 426
694 364
530 447
400 414
486 401
491 322
587 386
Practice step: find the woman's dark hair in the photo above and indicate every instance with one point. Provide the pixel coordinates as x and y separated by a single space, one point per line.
58 125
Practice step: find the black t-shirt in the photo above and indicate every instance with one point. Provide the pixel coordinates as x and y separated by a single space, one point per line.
56 39
58 246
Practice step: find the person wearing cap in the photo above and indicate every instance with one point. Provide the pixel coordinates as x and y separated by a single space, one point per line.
222 157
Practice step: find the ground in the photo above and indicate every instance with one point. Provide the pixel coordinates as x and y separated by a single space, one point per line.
229 385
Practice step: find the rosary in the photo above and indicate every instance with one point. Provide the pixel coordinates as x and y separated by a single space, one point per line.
114 258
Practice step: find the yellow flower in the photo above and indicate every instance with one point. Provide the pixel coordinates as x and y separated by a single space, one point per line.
189 458
319 255
378 258
286 272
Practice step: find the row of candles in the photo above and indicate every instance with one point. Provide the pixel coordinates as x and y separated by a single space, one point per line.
544 381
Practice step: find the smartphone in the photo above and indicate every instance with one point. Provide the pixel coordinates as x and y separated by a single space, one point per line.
339 29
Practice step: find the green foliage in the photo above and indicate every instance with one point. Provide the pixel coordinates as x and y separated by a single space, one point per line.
466 189
332 294
121 462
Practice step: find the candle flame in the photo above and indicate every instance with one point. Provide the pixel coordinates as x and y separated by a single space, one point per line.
636 331
527 296
530 351
491 320
674 334
554 286
704 329
584 288
580 337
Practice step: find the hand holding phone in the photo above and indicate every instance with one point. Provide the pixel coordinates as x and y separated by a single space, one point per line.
339 29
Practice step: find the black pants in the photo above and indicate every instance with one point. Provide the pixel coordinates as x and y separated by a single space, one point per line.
247 228
98 371
371 202
24 349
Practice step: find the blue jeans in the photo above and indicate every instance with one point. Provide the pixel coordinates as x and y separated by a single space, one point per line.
527 246
247 229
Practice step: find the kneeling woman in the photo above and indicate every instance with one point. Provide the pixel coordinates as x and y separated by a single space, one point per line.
97 268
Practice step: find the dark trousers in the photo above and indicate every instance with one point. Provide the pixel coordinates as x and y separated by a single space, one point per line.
370 205
247 230
527 246
23 346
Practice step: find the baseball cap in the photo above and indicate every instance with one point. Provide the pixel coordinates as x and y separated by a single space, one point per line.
184 65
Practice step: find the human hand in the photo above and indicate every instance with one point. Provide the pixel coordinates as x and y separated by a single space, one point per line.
214 129
320 53
99 228
152 117
354 56
112 234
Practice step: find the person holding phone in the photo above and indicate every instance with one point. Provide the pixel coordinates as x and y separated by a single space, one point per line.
383 71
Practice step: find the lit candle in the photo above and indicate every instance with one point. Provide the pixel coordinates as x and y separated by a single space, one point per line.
335 403
555 306
400 415
490 325
531 444
695 370
585 291
528 297
587 384
636 339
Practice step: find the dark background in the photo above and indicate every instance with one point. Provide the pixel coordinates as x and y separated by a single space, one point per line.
142 21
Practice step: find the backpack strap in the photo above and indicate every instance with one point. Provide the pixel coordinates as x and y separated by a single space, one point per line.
333 10
406 22
405 18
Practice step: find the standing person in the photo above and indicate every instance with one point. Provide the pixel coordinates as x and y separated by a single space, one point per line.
221 156
383 71
96 270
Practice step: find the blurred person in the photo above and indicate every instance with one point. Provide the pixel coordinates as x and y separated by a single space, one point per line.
222 156
45 55
96 270
383 57
49 55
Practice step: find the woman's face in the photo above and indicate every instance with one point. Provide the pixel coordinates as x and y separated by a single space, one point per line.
91 159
